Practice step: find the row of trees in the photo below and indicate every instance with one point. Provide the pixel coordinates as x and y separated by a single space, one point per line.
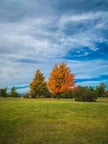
61 84
4 92
61 80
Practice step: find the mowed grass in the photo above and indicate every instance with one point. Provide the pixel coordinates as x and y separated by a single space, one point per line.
51 121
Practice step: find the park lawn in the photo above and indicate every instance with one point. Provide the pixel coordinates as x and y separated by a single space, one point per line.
52 121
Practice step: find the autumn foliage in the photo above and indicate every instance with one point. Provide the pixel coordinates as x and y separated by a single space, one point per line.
60 80
38 85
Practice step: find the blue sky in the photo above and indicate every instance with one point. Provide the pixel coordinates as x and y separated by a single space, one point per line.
36 34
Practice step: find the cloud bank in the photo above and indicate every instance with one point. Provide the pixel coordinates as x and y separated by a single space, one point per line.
36 35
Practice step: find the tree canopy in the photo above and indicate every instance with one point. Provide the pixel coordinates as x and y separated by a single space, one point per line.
61 79
38 84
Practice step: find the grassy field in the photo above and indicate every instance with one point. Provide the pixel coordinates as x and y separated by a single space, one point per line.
51 121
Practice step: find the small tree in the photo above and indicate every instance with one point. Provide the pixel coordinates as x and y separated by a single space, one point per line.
101 90
38 85
13 92
60 80
3 92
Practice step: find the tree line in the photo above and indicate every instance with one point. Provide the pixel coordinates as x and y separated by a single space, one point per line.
60 84
4 92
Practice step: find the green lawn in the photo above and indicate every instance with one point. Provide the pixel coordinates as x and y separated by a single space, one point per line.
51 121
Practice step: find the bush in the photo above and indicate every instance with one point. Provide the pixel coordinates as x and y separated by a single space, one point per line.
66 94
32 94
26 95
106 94
47 94
85 94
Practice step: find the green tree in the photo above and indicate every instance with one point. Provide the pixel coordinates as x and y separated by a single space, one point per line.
38 85
101 90
67 94
13 92
85 94
3 92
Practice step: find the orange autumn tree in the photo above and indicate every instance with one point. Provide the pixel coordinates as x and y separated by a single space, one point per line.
38 85
60 80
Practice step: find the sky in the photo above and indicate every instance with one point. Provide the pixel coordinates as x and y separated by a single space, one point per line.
36 34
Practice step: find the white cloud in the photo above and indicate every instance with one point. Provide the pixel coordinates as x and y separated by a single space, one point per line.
33 39
88 69
80 17
86 29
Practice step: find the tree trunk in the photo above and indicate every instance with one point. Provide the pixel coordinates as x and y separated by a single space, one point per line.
58 96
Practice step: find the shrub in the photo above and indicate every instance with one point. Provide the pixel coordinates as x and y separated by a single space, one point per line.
47 94
66 94
26 95
106 94
85 94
